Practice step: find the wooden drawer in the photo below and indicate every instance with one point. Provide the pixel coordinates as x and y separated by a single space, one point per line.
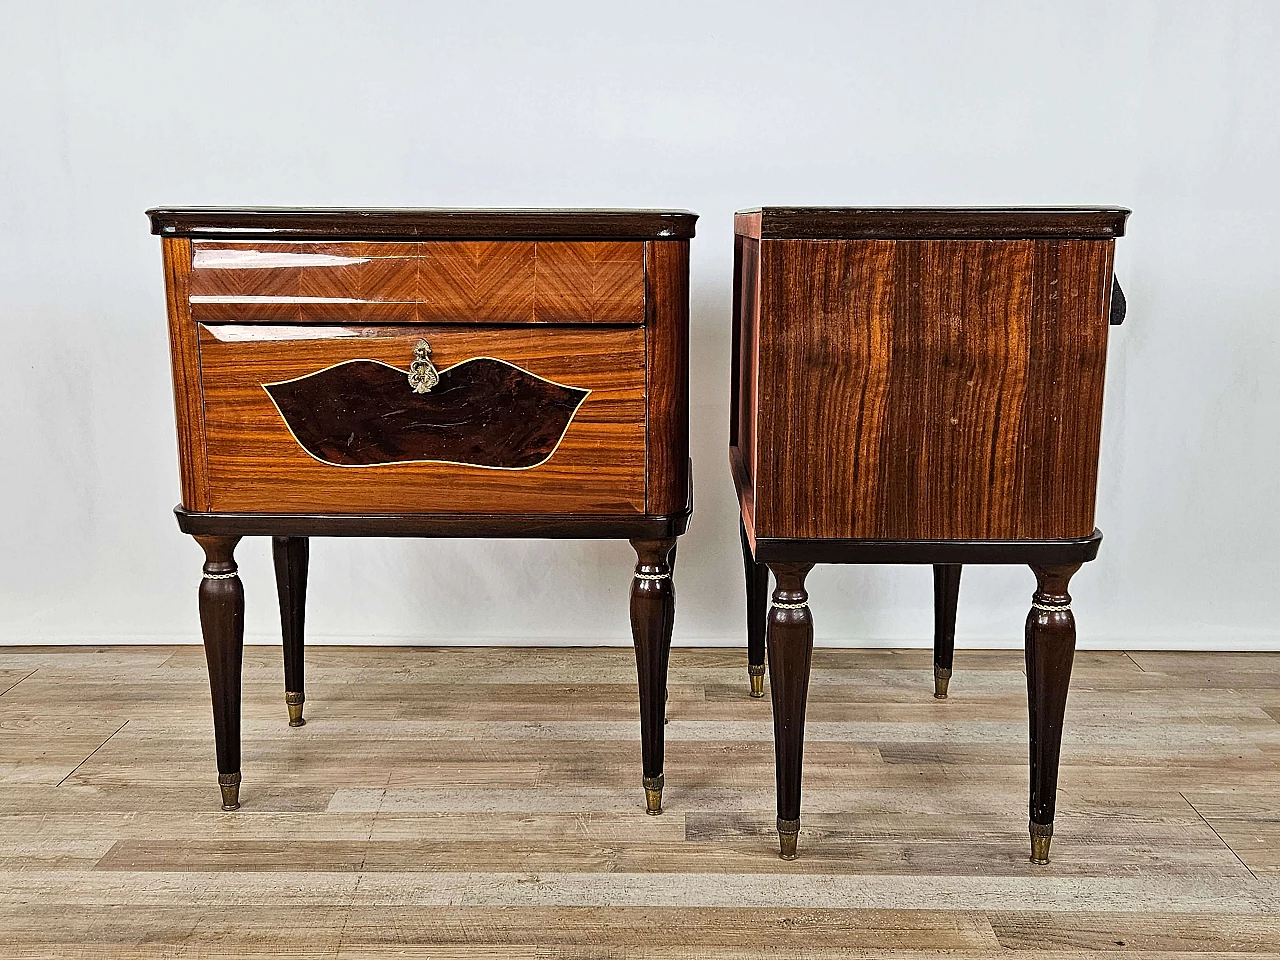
500 281
523 420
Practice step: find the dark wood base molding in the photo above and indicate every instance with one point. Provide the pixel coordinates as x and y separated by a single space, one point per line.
1080 550
443 526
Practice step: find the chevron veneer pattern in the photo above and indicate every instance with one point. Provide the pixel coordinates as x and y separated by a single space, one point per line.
441 282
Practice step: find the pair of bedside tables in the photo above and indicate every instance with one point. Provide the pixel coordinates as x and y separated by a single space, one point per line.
910 386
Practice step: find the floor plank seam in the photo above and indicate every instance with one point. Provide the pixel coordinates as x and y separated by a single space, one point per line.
364 860
18 681
90 757
1218 835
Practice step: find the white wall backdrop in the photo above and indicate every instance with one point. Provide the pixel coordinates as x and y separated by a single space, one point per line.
106 109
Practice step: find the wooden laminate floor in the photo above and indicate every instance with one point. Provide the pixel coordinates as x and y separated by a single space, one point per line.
487 803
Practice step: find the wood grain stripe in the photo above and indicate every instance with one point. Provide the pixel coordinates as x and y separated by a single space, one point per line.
667 373
188 397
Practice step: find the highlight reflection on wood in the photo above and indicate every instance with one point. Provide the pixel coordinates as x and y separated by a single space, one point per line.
499 281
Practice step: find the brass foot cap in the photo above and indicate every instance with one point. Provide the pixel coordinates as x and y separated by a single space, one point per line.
229 784
294 702
787 845
788 833
757 680
941 680
1041 837
653 795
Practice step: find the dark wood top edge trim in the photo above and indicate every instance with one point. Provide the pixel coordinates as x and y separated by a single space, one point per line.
1079 550
938 223
437 525
321 223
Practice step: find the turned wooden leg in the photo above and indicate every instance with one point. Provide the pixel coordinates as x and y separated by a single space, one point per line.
790 639
222 623
757 612
1051 646
652 616
946 591
291 555
666 693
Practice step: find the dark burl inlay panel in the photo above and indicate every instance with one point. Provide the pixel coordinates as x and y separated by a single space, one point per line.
484 412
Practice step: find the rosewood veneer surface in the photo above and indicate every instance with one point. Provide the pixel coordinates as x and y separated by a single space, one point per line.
492 373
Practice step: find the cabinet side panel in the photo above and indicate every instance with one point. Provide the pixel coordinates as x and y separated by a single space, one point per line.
747 370
955 392
825 323
1061 423
667 375
184 353
735 345
931 389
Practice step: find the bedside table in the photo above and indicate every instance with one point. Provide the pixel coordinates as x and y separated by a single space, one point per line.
427 373
918 386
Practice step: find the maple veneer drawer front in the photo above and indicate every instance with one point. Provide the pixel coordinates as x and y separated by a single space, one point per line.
523 420
500 281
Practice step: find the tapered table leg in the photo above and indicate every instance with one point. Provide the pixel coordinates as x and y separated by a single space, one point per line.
790 639
757 576
292 555
1050 649
652 617
222 623
666 693
946 591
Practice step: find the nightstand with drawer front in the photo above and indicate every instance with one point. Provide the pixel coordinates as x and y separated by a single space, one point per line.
427 373
919 386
